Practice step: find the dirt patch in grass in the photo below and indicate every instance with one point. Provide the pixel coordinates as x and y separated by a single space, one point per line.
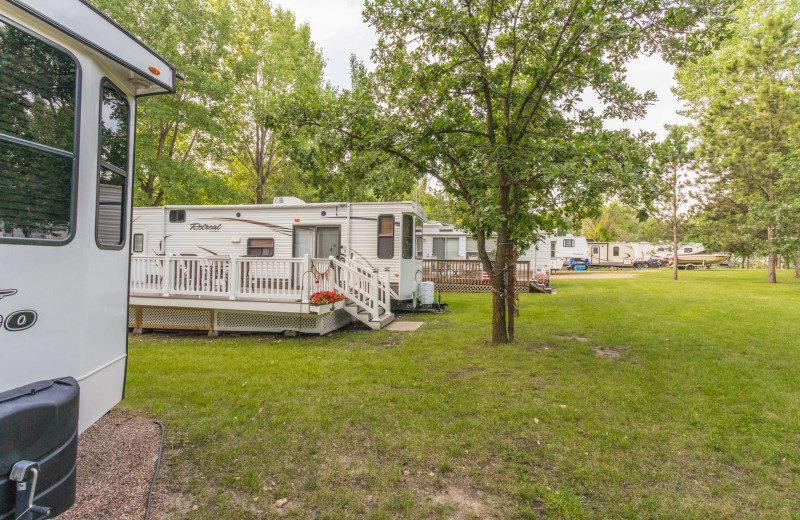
609 352
462 503
539 346
575 338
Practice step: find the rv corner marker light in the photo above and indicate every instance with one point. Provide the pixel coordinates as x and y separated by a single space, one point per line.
297 220
154 70
236 240
396 274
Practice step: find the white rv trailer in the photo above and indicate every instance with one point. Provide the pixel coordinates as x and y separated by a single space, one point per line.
254 267
445 242
69 80
612 254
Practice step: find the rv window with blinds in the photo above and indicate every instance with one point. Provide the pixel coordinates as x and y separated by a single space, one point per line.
386 236
569 242
38 96
113 167
408 237
445 248
260 247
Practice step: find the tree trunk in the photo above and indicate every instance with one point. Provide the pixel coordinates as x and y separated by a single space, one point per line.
675 227
497 281
511 299
797 263
771 278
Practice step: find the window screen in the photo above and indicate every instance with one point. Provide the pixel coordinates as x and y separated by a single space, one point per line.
37 134
260 247
552 249
569 242
408 236
113 169
138 242
687 249
386 236
616 250
176 216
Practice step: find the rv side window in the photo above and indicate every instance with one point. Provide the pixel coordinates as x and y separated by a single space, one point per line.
113 167
138 242
176 216
616 250
386 236
408 237
553 249
569 242
260 247
38 89
687 249
418 238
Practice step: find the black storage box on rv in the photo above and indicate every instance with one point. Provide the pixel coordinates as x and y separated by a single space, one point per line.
39 422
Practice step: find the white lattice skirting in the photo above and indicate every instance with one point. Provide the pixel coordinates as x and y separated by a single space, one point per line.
144 317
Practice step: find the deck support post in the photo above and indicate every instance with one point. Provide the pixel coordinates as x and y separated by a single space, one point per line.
305 278
168 274
373 294
233 277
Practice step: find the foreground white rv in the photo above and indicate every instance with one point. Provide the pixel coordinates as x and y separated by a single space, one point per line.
270 259
69 79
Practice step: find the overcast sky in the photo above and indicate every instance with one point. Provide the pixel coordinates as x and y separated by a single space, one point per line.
337 27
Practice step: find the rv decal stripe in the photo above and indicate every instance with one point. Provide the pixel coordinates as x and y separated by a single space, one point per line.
257 223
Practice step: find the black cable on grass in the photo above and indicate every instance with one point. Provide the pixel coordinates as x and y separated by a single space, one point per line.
155 474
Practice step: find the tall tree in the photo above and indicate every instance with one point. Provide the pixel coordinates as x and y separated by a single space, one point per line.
671 157
271 57
482 95
178 136
746 100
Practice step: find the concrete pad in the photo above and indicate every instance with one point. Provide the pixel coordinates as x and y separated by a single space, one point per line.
405 326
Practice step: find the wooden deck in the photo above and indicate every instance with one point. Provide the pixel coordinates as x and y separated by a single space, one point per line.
469 275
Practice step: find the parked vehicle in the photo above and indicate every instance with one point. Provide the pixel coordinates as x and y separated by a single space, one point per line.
69 84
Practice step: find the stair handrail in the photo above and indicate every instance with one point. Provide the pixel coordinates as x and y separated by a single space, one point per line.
368 300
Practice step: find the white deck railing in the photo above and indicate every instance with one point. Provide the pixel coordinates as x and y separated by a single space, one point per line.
251 278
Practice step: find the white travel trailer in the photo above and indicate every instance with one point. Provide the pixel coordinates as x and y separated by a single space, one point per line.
612 254
445 242
255 267
69 81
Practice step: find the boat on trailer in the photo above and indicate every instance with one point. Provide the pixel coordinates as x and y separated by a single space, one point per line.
260 268
69 82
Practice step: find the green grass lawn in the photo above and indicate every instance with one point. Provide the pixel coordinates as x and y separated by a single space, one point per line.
627 398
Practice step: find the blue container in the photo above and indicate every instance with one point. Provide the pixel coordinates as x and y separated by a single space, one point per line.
580 267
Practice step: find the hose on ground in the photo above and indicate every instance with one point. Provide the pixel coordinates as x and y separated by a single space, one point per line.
155 474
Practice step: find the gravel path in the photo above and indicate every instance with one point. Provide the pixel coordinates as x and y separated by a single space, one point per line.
116 460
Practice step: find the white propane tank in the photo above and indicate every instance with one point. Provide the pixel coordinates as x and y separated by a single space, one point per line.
426 290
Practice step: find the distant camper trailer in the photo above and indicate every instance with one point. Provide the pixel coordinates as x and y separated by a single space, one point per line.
612 254
445 242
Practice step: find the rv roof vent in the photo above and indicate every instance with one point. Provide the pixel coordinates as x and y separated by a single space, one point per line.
288 200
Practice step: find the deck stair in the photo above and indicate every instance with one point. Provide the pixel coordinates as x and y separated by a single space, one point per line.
366 290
